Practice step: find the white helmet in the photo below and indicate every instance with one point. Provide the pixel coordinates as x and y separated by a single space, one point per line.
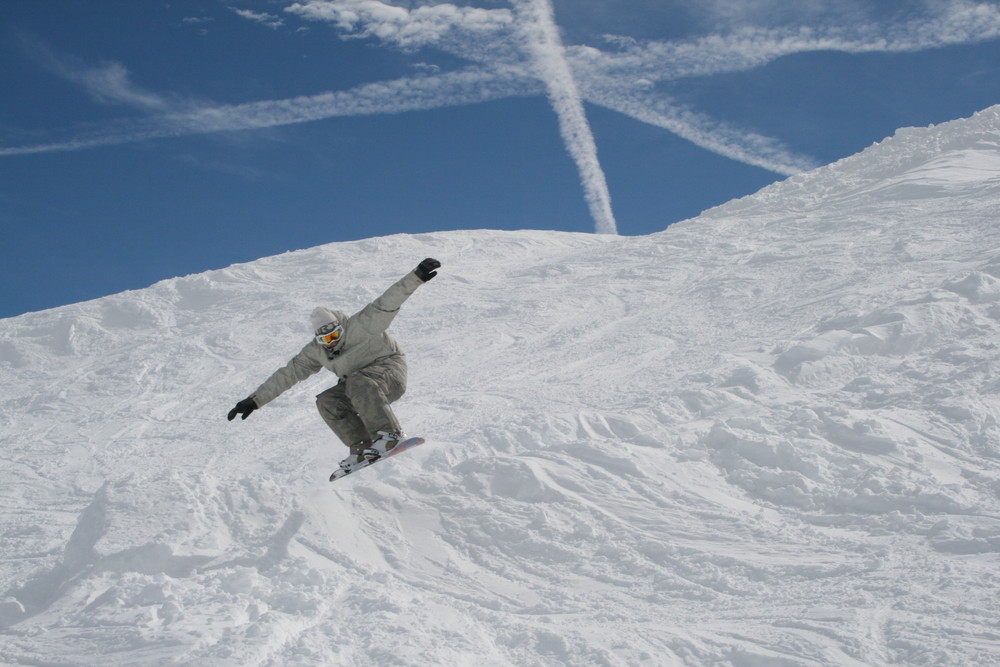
328 330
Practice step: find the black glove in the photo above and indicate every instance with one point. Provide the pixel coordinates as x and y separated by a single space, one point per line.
244 407
425 271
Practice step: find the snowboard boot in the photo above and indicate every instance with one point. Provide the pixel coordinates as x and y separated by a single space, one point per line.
387 440
357 454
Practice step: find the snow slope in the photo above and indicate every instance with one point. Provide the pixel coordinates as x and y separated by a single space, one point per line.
766 436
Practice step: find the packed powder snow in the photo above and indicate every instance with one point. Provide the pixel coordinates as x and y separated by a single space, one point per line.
765 436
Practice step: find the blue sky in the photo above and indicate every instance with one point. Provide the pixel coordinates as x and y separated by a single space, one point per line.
146 140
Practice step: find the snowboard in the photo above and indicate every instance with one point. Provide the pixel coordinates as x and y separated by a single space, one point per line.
409 443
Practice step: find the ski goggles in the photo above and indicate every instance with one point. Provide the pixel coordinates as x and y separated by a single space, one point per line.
330 337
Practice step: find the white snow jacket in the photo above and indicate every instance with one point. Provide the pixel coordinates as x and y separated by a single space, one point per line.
365 342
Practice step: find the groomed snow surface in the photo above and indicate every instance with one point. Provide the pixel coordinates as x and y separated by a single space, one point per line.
767 436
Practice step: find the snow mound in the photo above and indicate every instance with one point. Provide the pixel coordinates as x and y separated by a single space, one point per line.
766 436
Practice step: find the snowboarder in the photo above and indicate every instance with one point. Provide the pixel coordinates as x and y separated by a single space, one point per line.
370 366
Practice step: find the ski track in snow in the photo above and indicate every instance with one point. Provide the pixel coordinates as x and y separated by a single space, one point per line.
765 436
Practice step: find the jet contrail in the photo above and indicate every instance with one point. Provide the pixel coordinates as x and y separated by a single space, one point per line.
389 97
541 34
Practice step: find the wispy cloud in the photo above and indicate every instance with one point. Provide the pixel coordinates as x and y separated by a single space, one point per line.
423 25
517 50
749 47
263 18
106 83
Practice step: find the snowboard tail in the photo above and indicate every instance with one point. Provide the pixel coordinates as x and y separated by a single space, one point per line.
400 447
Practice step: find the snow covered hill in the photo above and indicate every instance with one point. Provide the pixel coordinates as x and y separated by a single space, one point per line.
765 436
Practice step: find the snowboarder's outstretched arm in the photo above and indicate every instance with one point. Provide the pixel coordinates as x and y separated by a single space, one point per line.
298 369
379 314
301 366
